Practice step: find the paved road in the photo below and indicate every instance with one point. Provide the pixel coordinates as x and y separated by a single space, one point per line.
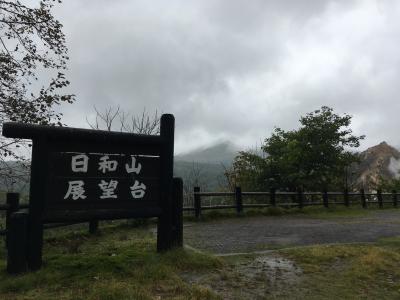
259 233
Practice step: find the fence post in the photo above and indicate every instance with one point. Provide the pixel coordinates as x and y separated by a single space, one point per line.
177 213
93 226
197 202
17 243
238 198
363 200
346 197
380 200
272 195
325 198
394 198
300 197
13 204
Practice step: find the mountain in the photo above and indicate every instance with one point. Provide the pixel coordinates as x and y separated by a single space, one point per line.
208 176
223 152
380 161
205 166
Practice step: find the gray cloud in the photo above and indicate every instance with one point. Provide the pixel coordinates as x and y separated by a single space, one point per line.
235 69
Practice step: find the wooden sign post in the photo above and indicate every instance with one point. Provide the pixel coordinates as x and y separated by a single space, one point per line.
85 175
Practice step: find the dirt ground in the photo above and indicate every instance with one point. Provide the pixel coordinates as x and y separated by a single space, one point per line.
256 270
251 234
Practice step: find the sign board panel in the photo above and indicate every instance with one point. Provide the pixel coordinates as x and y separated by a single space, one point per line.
83 175
80 183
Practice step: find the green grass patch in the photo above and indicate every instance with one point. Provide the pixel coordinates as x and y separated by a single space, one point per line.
363 271
119 263
321 212
216 214
318 212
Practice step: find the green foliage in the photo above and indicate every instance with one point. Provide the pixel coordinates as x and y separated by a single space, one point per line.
313 157
31 41
250 171
389 185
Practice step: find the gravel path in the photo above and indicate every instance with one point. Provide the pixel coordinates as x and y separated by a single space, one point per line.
259 233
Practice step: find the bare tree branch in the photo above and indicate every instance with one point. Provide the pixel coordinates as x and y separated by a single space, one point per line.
115 119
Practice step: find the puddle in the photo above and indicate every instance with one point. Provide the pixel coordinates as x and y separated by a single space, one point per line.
274 269
266 275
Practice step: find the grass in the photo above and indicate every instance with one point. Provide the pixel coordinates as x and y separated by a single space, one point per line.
336 212
119 263
319 212
360 271
352 271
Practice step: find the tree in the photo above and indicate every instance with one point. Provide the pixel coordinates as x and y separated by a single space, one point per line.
115 119
313 157
31 42
192 177
249 171
388 185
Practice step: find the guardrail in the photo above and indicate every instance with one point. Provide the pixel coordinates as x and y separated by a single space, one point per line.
299 199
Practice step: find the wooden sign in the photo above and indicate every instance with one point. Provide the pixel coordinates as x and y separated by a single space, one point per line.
83 175
91 185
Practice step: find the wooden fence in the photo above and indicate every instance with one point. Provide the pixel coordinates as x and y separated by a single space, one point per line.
299 199
13 205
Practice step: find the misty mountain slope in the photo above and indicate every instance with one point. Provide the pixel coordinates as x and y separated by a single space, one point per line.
211 176
208 163
223 152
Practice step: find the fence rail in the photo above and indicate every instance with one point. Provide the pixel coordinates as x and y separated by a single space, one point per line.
299 199
13 205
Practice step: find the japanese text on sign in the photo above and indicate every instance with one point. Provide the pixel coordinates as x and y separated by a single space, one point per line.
80 164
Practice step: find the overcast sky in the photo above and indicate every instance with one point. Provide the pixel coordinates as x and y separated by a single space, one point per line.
232 70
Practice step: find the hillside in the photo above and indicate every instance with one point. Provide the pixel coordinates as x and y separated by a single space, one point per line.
380 161
210 176
205 166
223 152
